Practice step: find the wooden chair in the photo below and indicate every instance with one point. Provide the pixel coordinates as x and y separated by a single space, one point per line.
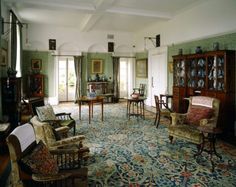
22 145
161 111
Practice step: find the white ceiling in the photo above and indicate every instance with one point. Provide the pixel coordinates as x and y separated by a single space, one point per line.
92 15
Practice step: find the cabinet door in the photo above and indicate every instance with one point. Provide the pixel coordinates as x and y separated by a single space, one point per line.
36 85
216 73
196 73
179 72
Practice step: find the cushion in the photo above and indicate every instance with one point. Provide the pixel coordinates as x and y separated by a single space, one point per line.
40 160
45 113
196 113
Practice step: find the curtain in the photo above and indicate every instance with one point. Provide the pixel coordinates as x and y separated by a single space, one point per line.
13 39
78 73
116 76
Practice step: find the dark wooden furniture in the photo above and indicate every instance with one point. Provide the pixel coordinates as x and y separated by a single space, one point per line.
165 112
11 100
209 136
165 103
135 103
208 74
90 101
36 85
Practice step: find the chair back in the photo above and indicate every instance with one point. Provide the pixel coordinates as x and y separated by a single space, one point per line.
43 131
206 102
21 139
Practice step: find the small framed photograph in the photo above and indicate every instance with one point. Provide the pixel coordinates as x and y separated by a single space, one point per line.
142 68
36 64
97 66
3 57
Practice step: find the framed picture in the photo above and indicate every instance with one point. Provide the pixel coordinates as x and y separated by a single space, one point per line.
97 66
36 64
170 67
3 57
141 68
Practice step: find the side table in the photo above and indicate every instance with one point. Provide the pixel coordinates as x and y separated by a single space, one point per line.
209 135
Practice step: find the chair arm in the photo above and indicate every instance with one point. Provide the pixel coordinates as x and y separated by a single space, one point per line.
210 123
67 141
178 118
62 129
50 178
54 123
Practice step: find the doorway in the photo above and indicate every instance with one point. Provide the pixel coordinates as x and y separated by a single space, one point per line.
126 76
66 79
157 73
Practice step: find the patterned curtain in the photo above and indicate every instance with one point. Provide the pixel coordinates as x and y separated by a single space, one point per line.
78 73
116 75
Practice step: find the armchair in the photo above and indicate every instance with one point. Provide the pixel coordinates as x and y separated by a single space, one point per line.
33 164
202 111
46 113
57 138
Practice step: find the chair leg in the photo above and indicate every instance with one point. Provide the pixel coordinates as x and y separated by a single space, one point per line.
157 121
171 139
74 129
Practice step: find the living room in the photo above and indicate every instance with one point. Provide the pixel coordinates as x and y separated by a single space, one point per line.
100 35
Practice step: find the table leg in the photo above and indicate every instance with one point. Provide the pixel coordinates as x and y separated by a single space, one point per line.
143 109
102 109
89 103
129 109
80 110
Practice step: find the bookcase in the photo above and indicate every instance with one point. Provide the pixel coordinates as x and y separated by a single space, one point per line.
208 74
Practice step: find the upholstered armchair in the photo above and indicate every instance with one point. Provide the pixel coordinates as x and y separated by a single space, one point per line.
202 111
33 164
46 114
57 138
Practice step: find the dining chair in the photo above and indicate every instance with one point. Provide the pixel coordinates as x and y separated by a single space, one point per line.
161 111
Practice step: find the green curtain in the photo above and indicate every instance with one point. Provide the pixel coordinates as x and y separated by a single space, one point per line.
78 73
116 76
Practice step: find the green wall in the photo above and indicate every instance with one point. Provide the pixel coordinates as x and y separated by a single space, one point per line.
227 41
47 69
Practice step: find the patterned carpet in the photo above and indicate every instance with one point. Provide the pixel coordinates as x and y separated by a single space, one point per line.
134 153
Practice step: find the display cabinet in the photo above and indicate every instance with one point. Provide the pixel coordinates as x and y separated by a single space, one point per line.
209 74
36 85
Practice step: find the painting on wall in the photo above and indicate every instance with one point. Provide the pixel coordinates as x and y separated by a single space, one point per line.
141 68
3 57
36 64
97 66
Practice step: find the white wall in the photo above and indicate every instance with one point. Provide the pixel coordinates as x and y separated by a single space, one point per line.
74 39
213 17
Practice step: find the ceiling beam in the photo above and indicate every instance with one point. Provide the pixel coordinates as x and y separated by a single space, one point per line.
100 8
140 12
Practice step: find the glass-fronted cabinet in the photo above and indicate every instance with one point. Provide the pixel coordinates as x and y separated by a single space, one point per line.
207 74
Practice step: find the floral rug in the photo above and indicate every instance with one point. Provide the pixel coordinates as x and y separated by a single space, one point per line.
134 153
